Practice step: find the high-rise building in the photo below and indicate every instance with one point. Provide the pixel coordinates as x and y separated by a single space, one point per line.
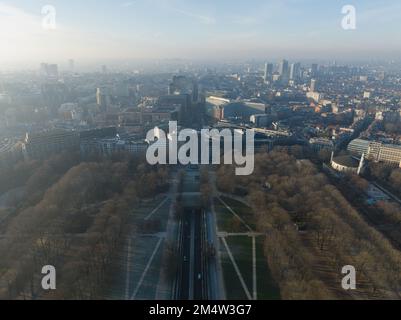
268 72
183 85
295 70
102 98
314 69
284 71
49 70
195 91
313 85
283 67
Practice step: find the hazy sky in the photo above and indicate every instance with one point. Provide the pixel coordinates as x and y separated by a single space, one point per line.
93 30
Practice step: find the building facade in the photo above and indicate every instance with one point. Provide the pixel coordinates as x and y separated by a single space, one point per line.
41 145
376 151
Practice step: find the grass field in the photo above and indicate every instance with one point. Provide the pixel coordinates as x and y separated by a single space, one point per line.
241 209
160 208
233 286
241 249
226 221
147 290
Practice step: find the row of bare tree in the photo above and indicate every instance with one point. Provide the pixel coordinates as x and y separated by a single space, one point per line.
306 219
77 222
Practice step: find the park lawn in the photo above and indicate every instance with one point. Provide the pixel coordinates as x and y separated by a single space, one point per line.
232 284
241 248
147 290
226 221
162 213
141 250
146 207
242 210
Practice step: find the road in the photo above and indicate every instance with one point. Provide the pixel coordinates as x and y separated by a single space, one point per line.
192 276
192 280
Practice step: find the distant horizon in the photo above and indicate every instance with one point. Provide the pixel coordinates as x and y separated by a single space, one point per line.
107 30
134 64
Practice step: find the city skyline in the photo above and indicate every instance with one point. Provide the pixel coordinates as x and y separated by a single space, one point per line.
161 29
168 150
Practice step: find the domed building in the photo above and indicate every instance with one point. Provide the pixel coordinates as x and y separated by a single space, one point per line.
347 164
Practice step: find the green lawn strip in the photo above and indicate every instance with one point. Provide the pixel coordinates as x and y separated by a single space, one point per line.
241 248
142 251
140 212
232 284
242 210
226 221
147 291
162 213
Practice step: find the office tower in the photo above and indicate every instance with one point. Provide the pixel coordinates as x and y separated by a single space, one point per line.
102 98
292 71
314 70
265 72
284 71
195 91
283 67
313 85
49 70
183 85
98 96
295 70
268 72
